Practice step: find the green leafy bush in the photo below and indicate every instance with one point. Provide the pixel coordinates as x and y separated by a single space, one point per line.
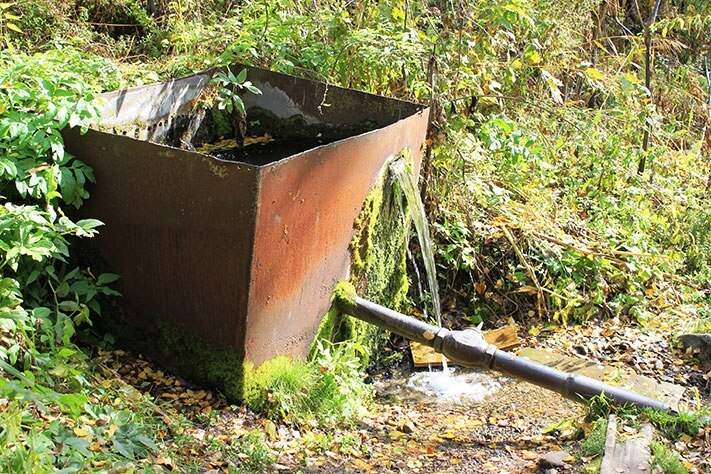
44 297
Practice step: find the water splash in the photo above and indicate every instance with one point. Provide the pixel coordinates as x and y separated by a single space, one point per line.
458 386
400 170
454 387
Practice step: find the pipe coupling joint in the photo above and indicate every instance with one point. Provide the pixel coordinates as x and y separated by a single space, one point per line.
438 342
489 356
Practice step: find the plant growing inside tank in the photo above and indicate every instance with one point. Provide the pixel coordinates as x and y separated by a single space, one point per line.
227 85
223 92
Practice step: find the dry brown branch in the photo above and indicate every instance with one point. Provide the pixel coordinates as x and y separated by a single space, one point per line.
541 302
611 255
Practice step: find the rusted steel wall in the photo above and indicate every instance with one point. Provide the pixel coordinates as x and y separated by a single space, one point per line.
306 209
242 256
179 229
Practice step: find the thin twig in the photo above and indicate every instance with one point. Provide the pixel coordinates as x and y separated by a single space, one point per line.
617 253
647 25
96 23
627 31
541 304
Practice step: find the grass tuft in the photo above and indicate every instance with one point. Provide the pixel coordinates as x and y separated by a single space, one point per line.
328 389
251 453
594 444
673 425
667 460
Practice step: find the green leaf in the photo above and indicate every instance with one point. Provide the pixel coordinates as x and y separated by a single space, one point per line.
69 306
553 86
239 105
106 278
89 224
251 88
242 76
123 447
594 74
66 352
13 27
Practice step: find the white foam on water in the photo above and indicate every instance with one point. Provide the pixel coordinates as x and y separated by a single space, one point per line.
449 387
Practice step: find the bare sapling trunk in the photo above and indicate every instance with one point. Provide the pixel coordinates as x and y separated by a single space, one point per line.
706 145
239 123
648 68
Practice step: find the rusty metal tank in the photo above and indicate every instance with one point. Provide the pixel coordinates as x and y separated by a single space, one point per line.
242 254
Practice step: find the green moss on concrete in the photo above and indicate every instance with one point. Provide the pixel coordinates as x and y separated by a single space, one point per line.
221 368
329 329
336 326
379 272
362 245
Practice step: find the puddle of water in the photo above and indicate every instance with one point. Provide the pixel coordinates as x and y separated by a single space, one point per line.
258 153
458 386
449 386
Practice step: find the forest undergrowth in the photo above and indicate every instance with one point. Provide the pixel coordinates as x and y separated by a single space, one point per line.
567 177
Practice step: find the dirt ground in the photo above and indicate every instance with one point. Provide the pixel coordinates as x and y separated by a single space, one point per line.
511 431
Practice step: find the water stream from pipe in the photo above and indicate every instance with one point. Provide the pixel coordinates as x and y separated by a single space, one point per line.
405 178
446 386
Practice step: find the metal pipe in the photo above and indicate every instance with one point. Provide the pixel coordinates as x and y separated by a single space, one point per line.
468 348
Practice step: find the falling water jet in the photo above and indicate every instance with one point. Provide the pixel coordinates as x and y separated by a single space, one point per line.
400 171
418 277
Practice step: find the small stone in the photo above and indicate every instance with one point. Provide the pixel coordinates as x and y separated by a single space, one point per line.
408 427
554 459
582 350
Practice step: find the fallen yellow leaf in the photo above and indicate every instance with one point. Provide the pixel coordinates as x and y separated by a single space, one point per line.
82 432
